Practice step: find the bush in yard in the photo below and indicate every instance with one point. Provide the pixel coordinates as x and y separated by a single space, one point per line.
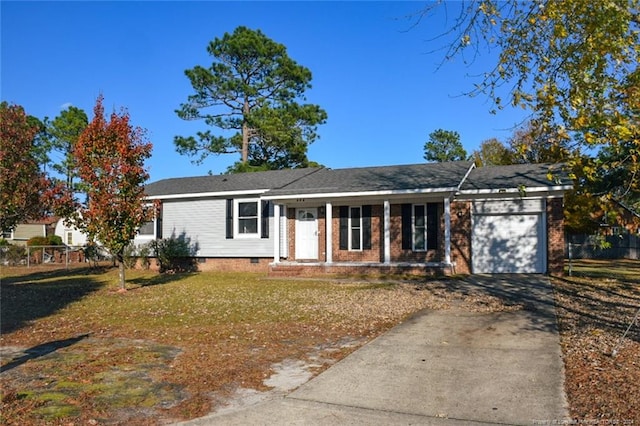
144 251
130 256
55 240
137 253
37 241
51 240
175 254
93 253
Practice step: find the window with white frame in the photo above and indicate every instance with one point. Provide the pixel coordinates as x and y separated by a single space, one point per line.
69 238
247 213
355 228
419 227
147 229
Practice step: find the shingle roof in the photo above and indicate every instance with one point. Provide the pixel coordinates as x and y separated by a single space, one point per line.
384 178
515 176
426 176
223 183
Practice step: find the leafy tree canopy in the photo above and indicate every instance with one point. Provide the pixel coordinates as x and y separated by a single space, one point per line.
493 153
444 145
573 62
109 158
535 143
23 185
63 133
251 92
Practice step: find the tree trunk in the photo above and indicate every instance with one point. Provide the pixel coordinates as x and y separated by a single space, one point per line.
245 133
121 273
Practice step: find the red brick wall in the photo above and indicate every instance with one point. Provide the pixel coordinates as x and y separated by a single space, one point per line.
373 270
400 255
461 236
243 264
291 232
375 254
555 236
322 232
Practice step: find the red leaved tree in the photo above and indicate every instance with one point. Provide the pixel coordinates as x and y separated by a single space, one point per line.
22 184
110 159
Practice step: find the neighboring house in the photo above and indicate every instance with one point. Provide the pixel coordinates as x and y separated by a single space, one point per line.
71 236
34 228
435 217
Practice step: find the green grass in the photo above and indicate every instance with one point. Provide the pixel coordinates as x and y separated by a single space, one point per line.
620 269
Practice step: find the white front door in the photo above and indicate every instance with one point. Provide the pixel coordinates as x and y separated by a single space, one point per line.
307 233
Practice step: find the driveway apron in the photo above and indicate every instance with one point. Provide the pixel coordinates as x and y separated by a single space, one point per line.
449 367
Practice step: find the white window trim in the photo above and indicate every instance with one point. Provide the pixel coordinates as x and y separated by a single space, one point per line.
350 229
236 218
140 236
413 228
149 237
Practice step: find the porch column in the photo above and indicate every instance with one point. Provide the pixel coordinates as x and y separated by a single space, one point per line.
387 231
328 231
276 233
447 231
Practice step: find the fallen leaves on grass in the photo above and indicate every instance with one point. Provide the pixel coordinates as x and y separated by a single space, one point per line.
223 331
595 307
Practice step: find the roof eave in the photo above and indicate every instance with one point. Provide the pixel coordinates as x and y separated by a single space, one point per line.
390 193
527 190
206 194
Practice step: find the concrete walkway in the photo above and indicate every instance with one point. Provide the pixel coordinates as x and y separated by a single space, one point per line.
439 368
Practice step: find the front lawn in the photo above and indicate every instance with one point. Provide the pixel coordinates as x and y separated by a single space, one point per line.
174 346
595 307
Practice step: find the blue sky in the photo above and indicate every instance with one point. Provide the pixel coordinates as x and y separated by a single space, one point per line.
372 72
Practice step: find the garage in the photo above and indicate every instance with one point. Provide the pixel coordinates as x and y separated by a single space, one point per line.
508 236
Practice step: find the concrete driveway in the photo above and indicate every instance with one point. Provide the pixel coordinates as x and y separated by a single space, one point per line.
439 368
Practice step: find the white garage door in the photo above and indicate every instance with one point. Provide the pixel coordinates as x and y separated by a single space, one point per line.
508 238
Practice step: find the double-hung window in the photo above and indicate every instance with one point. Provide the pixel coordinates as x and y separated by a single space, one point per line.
355 228
248 218
419 227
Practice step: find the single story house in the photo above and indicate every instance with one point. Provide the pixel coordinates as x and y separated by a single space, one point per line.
435 217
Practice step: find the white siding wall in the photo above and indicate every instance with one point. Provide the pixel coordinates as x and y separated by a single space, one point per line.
78 238
203 221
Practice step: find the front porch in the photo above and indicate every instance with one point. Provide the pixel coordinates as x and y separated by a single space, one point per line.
386 244
338 269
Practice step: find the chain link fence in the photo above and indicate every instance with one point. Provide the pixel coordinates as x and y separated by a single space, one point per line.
622 246
60 256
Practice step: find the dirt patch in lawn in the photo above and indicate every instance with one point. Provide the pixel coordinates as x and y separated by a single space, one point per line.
117 378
